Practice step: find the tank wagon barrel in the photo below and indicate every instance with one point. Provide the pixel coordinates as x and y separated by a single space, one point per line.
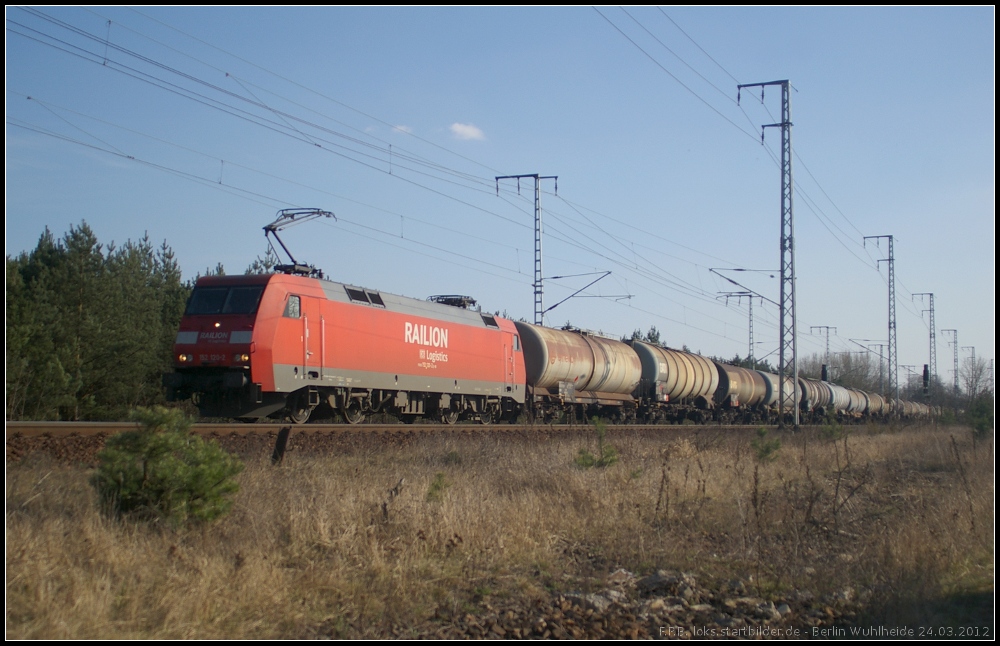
771 392
675 375
840 399
877 405
676 385
570 371
584 362
858 403
739 386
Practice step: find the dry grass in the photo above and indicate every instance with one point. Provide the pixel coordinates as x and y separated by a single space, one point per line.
318 545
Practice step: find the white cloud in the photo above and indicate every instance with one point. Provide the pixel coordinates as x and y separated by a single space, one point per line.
466 131
403 129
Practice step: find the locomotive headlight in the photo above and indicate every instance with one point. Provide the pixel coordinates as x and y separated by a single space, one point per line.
241 358
185 358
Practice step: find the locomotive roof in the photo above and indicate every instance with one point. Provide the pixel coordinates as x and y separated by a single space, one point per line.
345 293
363 296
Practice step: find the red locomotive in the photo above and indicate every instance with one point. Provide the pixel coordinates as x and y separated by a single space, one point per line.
284 345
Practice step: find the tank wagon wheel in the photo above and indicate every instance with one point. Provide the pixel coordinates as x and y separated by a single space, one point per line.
352 413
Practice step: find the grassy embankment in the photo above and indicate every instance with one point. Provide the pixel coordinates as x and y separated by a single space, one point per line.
903 519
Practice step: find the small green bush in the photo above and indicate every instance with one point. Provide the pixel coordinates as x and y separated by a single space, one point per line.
980 414
435 493
764 449
160 472
606 454
832 429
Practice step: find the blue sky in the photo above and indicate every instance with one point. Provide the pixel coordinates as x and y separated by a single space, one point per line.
196 125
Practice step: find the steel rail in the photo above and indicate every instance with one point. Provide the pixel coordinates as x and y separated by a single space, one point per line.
87 429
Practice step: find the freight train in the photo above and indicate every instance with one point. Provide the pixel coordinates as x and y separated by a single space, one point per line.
292 346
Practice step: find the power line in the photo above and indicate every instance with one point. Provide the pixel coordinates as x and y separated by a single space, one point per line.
671 75
298 129
813 207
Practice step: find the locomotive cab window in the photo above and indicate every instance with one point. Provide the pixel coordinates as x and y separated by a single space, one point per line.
242 300
293 308
224 300
517 343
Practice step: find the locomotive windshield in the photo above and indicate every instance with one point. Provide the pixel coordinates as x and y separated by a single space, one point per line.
224 300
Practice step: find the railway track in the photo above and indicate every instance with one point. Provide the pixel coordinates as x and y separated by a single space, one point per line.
78 443
57 430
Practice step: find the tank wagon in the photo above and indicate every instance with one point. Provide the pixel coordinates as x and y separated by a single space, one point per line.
741 391
573 372
772 390
675 385
287 345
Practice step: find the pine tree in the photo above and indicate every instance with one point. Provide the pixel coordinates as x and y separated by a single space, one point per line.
89 329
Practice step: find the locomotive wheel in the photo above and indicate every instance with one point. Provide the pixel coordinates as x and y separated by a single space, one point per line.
352 414
299 410
449 416
486 417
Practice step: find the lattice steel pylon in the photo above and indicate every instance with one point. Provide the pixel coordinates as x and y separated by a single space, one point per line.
740 295
539 306
972 382
787 354
827 329
881 365
933 341
893 358
954 342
